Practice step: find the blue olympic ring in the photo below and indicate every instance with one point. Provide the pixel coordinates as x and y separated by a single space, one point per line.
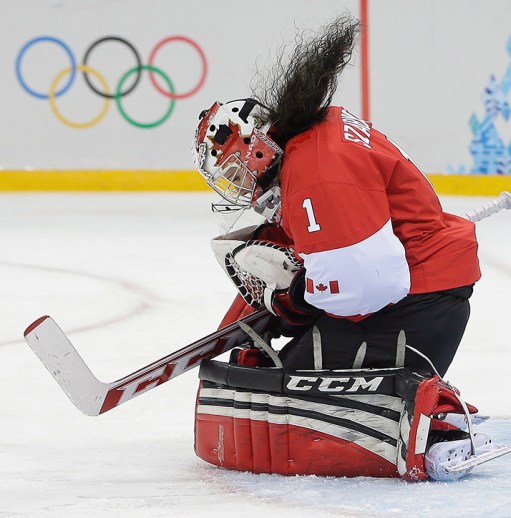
68 51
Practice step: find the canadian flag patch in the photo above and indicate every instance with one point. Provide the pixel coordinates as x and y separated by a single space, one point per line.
332 287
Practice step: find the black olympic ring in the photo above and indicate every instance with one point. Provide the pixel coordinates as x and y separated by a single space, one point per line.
117 93
137 59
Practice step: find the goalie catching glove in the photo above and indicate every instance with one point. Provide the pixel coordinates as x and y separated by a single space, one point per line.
265 272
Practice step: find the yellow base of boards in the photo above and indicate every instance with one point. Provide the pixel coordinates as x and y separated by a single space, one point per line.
188 180
470 185
99 180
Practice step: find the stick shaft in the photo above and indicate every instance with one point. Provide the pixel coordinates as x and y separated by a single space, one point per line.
500 203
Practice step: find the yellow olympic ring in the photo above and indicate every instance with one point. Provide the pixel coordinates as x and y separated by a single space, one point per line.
53 103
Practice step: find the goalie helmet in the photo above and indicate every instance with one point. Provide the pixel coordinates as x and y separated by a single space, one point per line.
233 152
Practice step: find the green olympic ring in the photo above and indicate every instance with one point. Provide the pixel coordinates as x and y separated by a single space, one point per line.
118 97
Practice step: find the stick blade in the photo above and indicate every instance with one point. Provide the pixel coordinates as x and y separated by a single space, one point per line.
63 362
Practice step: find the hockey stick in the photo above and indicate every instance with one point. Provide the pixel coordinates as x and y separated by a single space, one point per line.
500 203
94 397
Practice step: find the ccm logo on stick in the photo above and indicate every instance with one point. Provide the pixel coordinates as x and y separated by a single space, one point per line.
325 384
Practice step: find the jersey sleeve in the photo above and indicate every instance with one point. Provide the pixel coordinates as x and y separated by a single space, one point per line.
358 279
355 264
333 215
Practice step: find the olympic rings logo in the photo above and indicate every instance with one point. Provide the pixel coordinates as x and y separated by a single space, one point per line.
121 90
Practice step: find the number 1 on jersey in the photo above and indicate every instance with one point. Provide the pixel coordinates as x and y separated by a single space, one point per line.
313 224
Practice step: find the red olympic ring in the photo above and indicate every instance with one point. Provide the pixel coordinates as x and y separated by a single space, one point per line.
202 56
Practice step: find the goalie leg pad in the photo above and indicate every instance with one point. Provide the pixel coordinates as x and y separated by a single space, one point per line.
366 422
265 421
262 433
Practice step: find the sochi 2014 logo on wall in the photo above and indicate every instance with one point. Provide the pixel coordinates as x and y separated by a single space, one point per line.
32 64
490 153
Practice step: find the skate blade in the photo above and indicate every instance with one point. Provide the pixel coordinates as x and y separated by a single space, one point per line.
476 460
479 419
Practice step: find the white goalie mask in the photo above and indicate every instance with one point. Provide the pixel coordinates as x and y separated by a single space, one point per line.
232 151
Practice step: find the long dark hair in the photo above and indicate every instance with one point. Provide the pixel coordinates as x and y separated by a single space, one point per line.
298 90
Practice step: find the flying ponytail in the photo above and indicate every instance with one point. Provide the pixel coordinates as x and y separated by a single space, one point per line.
298 90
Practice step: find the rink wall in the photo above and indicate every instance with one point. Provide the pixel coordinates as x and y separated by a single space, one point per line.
189 180
442 94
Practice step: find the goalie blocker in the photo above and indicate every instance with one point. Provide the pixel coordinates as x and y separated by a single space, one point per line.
367 422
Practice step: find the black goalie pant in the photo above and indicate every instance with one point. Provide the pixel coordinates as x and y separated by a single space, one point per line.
434 324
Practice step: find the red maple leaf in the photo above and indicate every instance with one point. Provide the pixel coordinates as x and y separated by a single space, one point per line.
321 287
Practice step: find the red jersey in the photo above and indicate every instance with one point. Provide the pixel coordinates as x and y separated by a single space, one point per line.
366 221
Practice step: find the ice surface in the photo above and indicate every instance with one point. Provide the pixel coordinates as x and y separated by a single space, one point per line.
130 278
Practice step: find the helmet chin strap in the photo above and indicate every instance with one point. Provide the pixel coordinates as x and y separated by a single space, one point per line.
268 204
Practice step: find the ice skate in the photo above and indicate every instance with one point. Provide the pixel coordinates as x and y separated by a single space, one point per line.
453 459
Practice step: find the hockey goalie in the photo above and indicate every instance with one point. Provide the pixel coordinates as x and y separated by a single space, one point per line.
275 412
369 277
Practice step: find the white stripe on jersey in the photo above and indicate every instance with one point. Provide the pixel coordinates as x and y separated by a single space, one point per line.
371 275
